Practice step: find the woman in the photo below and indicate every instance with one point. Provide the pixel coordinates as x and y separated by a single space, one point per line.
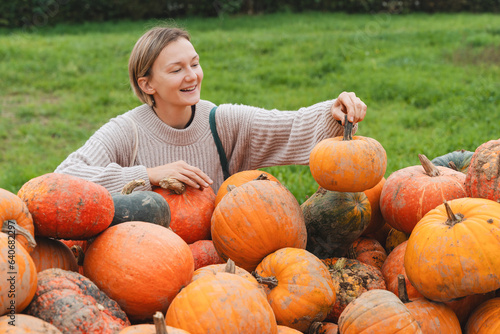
170 135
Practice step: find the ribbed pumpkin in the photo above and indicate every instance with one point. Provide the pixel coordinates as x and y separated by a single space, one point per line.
453 250
377 312
483 176
191 209
287 330
204 253
350 164
351 278
159 327
228 267
18 276
140 265
334 220
74 304
16 218
299 287
409 193
52 253
485 319
222 303
376 218
432 317
463 307
25 324
393 267
146 206
458 160
67 207
256 219
237 179
369 251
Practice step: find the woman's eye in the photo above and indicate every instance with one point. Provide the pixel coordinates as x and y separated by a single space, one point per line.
195 65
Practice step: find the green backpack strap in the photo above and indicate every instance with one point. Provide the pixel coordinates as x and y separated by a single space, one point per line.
220 149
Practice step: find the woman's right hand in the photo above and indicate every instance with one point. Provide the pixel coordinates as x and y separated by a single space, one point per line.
181 171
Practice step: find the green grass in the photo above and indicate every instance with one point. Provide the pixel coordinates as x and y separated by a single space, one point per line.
431 82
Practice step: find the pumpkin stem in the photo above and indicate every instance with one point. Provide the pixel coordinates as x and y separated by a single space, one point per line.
262 176
230 187
315 327
347 129
340 264
453 166
174 185
402 291
351 252
159 321
452 218
78 253
230 267
429 167
271 281
129 187
10 224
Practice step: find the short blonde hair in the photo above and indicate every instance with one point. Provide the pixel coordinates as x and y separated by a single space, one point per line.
145 52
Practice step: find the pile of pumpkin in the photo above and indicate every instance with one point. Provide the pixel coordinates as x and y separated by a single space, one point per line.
414 253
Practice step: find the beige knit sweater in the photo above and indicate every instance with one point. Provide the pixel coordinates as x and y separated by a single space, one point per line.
252 138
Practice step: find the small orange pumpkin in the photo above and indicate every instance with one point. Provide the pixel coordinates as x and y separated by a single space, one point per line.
350 164
204 253
485 319
453 250
52 253
369 251
158 327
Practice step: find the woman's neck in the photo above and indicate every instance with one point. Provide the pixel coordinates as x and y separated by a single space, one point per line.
178 118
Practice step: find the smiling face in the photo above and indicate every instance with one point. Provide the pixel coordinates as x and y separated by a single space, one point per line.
175 77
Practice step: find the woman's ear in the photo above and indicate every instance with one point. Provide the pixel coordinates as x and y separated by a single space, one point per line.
143 83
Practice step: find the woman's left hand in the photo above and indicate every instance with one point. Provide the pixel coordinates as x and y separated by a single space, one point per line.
348 104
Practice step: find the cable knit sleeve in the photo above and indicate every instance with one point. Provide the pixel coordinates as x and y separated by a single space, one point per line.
104 158
272 137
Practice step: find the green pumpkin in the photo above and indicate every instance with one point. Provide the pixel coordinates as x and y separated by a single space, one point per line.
334 220
145 206
460 159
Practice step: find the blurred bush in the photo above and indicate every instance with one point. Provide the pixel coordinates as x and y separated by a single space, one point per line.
30 14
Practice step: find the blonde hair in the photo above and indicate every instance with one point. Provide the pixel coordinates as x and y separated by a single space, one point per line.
145 52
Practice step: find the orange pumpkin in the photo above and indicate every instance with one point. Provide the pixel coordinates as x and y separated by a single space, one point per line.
463 307
432 317
369 251
204 253
213 269
256 219
237 179
376 218
350 164
485 319
191 210
158 327
26 324
393 267
140 265
222 303
17 274
483 176
409 193
16 219
453 250
52 253
287 330
300 289
378 312
67 207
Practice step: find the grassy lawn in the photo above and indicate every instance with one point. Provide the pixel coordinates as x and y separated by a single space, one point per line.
431 82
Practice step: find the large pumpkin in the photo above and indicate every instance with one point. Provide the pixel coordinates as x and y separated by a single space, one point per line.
67 207
74 304
256 219
409 193
191 209
18 276
377 312
146 206
348 163
15 218
52 253
140 265
485 319
334 220
453 250
299 287
237 179
26 324
222 303
483 176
